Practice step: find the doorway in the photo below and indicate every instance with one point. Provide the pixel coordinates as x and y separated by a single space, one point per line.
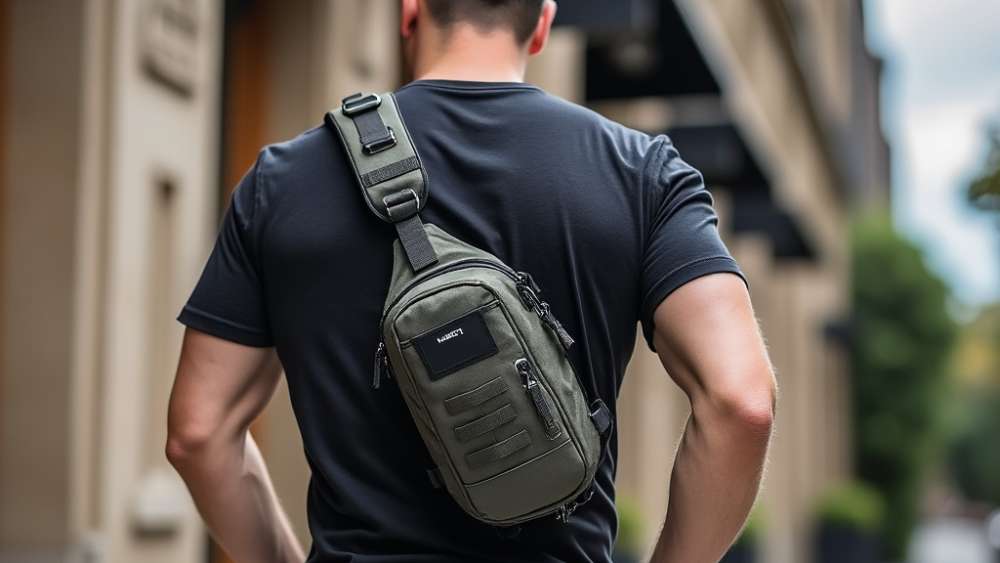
243 115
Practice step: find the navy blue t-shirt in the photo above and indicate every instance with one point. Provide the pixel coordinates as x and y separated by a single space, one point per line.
607 219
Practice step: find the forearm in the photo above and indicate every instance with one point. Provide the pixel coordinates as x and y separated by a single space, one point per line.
233 492
716 476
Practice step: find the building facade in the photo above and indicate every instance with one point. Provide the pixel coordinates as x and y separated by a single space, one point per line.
125 124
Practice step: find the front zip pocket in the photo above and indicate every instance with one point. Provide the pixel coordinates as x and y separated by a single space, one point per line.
538 399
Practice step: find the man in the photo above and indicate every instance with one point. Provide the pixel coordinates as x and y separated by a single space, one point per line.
613 225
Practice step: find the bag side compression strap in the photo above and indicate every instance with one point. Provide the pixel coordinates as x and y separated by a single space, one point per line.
387 168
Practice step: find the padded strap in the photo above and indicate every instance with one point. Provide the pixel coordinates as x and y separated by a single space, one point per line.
387 168
500 450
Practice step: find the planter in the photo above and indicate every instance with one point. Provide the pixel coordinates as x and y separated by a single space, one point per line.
838 543
740 553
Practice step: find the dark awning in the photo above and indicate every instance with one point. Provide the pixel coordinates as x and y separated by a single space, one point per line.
722 156
661 59
628 57
601 16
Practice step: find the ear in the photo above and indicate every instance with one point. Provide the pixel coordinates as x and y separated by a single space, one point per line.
408 12
542 29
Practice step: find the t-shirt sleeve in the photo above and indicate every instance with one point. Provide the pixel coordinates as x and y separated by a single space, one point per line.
228 300
682 237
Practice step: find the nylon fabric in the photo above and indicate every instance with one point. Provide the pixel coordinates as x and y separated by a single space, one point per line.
499 450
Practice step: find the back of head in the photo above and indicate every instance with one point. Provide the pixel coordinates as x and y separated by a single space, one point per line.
519 16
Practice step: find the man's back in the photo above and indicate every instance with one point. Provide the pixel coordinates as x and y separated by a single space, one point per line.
607 220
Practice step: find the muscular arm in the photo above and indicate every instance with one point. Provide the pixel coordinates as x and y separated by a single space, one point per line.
219 389
708 341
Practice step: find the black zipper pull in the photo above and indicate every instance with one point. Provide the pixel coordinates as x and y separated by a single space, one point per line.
528 290
529 281
381 366
564 338
542 406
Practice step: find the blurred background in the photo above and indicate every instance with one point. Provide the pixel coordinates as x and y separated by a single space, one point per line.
853 148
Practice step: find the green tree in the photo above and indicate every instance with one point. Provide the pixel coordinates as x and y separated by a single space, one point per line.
974 458
902 341
984 191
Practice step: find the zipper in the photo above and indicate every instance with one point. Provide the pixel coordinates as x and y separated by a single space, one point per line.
527 290
381 366
457 265
542 406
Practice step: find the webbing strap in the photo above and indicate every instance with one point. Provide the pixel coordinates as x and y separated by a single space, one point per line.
390 171
417 246
373 133
484 424
499 450
475 397
387 168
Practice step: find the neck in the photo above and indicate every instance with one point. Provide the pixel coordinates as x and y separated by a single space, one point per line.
468 54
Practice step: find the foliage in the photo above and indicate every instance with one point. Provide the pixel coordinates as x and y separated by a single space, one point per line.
902 339
853 505
977 354
629 526
974 457
984 191
753 531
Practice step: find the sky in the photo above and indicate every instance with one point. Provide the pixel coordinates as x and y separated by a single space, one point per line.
941 87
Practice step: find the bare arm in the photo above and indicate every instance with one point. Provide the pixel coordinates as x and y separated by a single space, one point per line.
219 389
708 341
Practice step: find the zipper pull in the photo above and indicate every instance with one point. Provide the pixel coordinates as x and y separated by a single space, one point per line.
542 406
529 281
381 366
564 338
528 290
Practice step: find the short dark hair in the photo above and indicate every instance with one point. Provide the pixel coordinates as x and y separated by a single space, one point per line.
521 16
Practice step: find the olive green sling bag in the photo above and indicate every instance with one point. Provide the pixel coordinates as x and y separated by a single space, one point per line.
479 358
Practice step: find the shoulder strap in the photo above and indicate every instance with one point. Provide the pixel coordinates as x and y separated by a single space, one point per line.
387 168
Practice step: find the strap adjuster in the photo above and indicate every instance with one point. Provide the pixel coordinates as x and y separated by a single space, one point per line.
359 103
382 143
600 414
398 200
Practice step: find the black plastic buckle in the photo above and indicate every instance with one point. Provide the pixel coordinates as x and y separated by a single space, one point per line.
381 144
600 414
359 103
398 199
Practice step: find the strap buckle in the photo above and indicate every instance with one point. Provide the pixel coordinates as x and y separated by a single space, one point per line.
397 200
359 103
601 416
382 143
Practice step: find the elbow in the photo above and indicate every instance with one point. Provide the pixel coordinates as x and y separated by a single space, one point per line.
187 445
748 407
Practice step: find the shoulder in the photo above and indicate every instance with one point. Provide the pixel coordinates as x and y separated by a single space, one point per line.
280 167
632 146
285 175
306 150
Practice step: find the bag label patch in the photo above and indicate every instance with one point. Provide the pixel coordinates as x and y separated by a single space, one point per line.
455 345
